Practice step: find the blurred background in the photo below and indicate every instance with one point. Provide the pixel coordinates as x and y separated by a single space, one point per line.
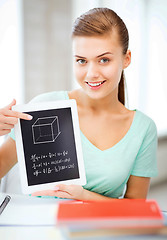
36 57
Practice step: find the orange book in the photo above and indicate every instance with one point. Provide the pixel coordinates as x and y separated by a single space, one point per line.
126 213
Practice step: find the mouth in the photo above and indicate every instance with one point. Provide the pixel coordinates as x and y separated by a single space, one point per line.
95 85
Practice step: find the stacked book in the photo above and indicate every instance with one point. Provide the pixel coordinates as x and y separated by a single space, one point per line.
83 220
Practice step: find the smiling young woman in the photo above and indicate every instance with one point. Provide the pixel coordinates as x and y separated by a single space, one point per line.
99 63
119 145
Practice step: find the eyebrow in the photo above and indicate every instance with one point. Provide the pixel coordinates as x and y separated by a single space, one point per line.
96 57
104 54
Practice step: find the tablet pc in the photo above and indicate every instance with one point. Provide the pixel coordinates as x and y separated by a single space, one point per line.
49 147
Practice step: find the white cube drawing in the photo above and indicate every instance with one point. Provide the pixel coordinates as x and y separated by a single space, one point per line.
45 130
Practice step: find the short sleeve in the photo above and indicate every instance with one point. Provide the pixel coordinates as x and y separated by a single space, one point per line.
50 96
145 164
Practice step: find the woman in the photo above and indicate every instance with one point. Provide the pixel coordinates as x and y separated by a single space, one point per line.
119 145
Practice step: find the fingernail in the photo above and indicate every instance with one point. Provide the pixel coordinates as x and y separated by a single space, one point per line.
56 188
30 117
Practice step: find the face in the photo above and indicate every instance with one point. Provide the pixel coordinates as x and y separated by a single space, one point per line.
98 64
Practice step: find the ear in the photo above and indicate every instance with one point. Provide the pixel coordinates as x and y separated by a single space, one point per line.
127 59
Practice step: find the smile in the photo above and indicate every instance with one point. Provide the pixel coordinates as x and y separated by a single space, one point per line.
95 84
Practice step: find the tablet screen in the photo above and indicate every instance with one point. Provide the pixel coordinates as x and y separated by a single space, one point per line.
48 146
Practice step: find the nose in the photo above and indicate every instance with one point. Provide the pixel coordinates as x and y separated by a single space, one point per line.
92 71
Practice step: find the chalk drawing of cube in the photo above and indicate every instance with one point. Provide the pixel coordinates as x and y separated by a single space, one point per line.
45 130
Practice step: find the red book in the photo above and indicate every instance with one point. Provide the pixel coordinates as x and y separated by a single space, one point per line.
110 214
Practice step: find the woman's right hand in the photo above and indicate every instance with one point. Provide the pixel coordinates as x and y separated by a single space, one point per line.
8 118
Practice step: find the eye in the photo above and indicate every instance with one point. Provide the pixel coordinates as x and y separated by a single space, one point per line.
104 60
81 61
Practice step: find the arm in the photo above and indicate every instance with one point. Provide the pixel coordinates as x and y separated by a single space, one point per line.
137 187
8 118
76 192
8 156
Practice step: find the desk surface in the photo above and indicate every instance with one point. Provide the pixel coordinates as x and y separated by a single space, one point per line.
29 211
33 233
34 218
27 217
51 233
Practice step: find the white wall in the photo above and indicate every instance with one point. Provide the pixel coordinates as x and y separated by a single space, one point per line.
11 54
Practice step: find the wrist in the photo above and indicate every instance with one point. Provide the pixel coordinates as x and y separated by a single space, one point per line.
88 196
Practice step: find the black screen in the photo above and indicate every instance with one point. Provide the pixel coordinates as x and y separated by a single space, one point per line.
49 146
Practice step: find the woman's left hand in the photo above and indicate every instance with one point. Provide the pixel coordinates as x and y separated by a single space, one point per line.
63 191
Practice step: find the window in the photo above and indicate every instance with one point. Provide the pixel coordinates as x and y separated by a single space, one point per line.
10 53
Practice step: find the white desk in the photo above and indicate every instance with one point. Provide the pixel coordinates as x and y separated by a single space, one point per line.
32 218
26 218
30 233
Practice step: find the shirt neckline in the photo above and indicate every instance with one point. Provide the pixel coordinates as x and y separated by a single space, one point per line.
119 142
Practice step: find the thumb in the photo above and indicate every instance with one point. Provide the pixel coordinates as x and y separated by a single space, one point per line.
9 107
61 187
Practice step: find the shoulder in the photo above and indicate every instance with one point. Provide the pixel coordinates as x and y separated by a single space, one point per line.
145 124
145 119
51 96
146 136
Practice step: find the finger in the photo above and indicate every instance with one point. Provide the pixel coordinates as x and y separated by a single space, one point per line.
4 132
11 104
63 191
9 120
5 126
44 193
61 194
64 188
16 114
61 187
51 193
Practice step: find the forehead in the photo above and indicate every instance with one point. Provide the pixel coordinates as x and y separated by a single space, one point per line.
96 45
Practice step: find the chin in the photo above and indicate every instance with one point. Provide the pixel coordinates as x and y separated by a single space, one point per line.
97 96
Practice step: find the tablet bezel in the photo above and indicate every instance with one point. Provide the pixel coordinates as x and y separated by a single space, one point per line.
20 149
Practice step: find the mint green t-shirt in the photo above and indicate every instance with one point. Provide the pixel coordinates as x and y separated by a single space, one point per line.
108 171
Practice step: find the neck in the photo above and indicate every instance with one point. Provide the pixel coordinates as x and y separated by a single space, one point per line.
108 103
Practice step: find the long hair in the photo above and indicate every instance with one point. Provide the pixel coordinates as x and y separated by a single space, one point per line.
101 21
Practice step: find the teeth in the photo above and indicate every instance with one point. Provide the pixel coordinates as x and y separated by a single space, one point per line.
95 84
